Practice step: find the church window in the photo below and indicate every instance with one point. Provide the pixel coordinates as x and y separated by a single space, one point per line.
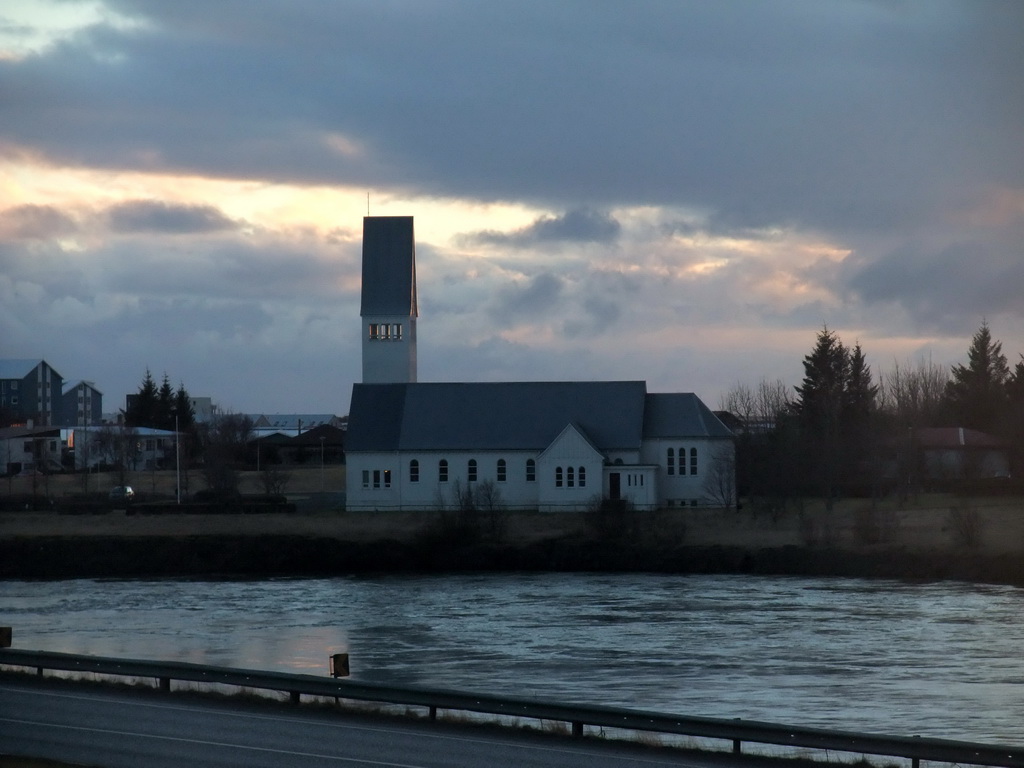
693 461
471 471
531 471
502 471
558 477
414 471
366 478
671 461
442 471
376 478
387 478
582 477
570 477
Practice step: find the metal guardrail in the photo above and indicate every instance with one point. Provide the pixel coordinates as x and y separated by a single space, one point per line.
737 731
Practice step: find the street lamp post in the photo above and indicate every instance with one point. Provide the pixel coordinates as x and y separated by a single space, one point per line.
177 458
321 464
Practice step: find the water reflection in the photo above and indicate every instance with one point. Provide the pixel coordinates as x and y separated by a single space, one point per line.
933 659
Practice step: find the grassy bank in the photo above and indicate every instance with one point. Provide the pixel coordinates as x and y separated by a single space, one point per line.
936 536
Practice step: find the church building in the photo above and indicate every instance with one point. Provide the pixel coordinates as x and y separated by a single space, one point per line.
548 446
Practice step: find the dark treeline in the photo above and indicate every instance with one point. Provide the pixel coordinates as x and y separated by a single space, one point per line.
160 407
841 432
220 447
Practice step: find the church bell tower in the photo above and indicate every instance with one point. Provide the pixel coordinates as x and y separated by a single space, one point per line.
388 309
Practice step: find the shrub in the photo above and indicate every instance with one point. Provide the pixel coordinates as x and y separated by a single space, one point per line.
966 526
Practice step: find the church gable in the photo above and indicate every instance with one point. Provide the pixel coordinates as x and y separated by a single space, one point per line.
572 444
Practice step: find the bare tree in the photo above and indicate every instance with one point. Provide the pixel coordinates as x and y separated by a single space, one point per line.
720 480
758 408
225 442
488 498
913 392
118 446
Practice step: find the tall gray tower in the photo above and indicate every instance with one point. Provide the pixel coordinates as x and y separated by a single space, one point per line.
389 308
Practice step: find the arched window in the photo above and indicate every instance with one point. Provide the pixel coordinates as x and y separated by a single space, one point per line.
502 471
581 475
671 462
558 477
570 477
531 471
414 471
442 471
693 461
471 471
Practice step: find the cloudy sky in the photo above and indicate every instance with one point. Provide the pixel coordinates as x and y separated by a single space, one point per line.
678 191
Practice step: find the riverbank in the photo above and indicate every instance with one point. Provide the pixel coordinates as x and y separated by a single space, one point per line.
934 537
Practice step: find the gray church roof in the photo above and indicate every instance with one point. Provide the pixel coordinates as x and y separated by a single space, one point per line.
494 416
681 414
389 267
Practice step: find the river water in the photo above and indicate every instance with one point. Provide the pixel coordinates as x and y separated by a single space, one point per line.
935 659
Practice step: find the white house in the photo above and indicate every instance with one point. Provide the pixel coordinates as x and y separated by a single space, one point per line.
137 447
25 449
527 445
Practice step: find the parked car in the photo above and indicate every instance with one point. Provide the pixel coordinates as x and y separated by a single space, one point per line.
122 493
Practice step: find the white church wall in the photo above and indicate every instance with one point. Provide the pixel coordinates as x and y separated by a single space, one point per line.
684 468
419 481
635 483
570 472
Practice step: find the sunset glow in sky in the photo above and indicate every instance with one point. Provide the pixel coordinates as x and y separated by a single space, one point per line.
677 191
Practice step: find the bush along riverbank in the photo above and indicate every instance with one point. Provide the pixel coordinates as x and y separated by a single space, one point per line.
270 555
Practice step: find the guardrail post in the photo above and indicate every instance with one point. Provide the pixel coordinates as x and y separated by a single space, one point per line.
165 684
295 697
737 747
577 728
915 762
433 712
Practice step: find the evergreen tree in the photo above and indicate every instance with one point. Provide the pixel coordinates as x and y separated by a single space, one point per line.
820 406
165 405
822 396
183 408
836 408
861 394
976 393
860 424
143 411
1014 424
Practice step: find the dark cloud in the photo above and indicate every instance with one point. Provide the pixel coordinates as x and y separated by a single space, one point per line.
945 288
852 116
35 222
538 295
598 314
579 226
154 216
